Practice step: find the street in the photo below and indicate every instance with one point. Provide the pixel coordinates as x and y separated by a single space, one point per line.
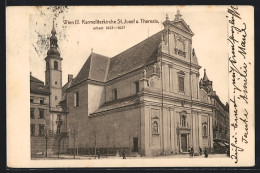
186 156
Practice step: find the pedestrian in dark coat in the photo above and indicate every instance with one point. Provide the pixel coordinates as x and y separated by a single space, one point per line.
200 151
124 154
206 153
98 154
191 152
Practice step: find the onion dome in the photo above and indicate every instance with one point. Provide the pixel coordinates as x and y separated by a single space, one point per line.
53 51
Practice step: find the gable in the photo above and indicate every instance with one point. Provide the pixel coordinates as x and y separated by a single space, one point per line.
183 26
95 68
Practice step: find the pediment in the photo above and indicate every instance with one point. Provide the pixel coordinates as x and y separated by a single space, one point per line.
183 26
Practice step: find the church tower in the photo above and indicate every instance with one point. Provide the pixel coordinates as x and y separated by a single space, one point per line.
205 83
53 80
53 73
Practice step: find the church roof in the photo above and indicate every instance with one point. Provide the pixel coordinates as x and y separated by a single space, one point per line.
37 86
119 103
34 79
95 68
101 68
135 57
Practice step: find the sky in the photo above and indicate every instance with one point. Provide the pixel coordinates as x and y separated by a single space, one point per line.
75 41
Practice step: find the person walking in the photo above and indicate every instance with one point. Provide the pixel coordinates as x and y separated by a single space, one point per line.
98 154
206 153
192 152
124 154
200 151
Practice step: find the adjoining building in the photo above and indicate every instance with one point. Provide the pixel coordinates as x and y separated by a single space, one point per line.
220 112
48 117
39 106
147 99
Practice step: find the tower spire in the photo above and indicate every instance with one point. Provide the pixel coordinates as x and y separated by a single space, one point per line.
53 39
53 42
53 31
205 77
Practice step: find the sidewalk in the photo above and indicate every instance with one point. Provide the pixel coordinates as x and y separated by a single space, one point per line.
92 157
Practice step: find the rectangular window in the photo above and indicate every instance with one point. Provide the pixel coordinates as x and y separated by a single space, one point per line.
114 93
76 99
32 129
41 113
31 100
136 86
181 84
41 129
41 100
32 113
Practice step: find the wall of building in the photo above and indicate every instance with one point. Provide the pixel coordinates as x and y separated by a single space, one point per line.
78 116
96 96
36 105
221 122
125 86
112 130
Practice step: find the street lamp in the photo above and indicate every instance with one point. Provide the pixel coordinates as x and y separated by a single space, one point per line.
46 135
95 145
73 135
58 134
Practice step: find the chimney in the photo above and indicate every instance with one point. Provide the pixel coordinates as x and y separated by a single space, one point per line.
70 77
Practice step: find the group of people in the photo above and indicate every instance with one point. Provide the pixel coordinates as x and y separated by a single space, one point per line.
191 152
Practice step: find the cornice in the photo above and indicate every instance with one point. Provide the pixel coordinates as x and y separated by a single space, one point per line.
181 61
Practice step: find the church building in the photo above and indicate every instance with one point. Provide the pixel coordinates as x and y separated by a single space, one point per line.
147 99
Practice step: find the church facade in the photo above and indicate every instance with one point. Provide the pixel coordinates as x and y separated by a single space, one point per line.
148 99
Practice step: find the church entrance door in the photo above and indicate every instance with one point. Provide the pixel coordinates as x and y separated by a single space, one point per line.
184 142
135 140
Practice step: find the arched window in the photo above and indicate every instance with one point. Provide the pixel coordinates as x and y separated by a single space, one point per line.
155 127
183 121
55 65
